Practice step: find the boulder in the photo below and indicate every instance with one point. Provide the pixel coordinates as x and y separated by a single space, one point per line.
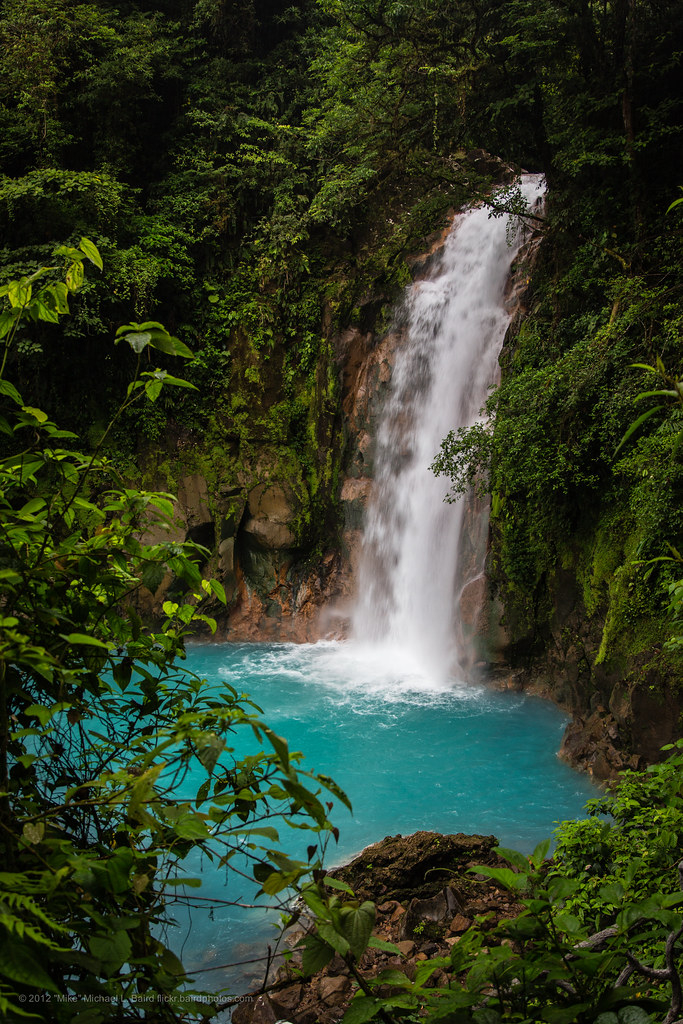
286 1001
333 991
459 924
193 500
272 512
436 911
415 866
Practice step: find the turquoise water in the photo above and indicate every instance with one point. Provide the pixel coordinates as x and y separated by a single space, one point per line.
411 754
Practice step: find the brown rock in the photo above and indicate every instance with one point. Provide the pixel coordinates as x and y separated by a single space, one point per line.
263 1012
334 991
286 1000
407 947
272 512
459 924
243 1013
402 866
437 910
193 499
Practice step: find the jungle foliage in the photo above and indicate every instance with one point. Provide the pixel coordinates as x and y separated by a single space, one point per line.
249 172
101 723
595 939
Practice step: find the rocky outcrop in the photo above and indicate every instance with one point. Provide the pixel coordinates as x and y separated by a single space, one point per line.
427 898
414 866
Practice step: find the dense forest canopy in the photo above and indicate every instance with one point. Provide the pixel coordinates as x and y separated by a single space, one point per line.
254 175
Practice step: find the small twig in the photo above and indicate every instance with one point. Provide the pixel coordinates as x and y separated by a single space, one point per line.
269 960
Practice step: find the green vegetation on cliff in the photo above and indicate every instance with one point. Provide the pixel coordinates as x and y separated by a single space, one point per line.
255 176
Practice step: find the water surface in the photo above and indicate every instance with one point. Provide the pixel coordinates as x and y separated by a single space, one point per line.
410 752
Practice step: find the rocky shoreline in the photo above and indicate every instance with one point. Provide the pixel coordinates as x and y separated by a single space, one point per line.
427 898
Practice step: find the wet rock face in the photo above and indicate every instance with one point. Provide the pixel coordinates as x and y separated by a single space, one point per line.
272 513
427 921
593 743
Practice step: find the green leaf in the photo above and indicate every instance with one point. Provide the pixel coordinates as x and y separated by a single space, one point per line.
280 747
329 934
177 382
164 342
634 426
209 748
112 950
219 590
633 1015
37 414
9 389
42 713
567 923
84 639
362 1008
46 313
612 893
59 294
172 964
562 1015
190 826
32 506
313 900
153 389
138 340
34 831
388 947
118 869
336 883
316 954
676 202
92 252
19 293
19 964
561 888
507 878
540 853
357 925
514 857
75 276
263 831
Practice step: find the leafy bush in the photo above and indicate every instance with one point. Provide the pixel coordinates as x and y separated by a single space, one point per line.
101 724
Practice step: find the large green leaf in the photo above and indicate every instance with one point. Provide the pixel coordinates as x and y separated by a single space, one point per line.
508 879
91 251
19 964
112 950
362 1009
164 342
316 954
357 925
279 745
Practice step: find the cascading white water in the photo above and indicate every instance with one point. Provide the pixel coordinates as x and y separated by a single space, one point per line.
455 324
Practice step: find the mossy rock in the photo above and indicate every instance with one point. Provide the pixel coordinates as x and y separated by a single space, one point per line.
416 866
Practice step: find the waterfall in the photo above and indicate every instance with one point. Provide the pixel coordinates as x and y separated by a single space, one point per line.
454 325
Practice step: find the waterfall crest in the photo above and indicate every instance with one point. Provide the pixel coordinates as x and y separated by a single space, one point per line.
454 325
